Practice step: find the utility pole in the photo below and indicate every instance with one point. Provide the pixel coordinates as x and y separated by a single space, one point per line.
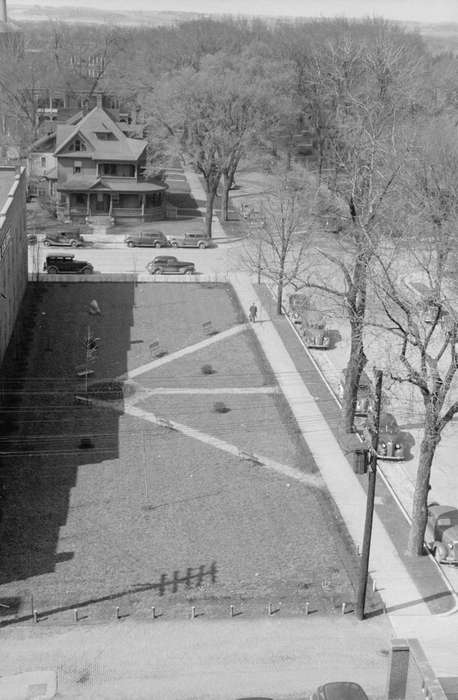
366 548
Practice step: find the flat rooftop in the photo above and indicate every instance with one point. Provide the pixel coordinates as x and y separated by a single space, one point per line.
7 176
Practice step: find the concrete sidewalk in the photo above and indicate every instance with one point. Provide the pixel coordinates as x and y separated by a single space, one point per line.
409 614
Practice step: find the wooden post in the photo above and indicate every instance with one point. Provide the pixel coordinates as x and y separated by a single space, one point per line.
366 548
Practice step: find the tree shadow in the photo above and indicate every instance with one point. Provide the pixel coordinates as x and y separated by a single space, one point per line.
334 337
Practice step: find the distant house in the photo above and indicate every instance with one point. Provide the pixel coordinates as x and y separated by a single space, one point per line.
42 167
100 172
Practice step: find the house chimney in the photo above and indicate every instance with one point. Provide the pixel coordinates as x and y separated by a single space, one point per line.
4 16
98 96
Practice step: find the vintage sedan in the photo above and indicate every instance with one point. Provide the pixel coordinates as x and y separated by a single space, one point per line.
73 239
442 533
169 265
339 690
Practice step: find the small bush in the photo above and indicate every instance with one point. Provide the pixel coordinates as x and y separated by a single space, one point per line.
220 407
207 369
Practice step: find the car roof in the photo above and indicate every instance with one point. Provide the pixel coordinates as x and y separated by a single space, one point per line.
196 232
159 258
342 691
60 257
153 232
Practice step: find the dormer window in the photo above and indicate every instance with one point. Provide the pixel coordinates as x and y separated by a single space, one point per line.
105 136
77 145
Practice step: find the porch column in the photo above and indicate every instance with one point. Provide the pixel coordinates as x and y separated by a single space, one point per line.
67 204
143 206
88 204
110 210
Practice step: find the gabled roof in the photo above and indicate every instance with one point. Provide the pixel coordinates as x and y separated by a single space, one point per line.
46 140
99 121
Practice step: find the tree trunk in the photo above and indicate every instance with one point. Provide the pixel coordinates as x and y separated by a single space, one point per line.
226 186
355 367
280 286
209 212
428 446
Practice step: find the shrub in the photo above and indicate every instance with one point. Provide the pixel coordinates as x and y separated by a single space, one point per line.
220 407
207 369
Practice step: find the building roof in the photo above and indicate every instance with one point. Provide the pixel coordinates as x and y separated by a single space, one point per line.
7 177
105 184
98 121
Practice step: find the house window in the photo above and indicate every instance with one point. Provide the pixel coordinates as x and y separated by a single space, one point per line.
77 145
77 167
43 162
105 136
80 199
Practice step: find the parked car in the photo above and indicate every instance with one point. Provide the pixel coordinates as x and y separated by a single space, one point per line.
297 304
365 397
64 238
66 264
191 239
147 239
313 330
168 265
340 690
442 533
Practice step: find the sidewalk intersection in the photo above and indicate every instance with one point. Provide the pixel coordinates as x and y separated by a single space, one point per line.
416 598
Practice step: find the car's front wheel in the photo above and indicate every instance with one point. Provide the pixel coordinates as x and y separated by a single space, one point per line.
52 270
157 271
174 244
87 271
47 243
157 244
130 244
74 244
188 271
202 245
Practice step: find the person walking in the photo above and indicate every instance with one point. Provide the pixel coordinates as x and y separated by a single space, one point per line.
253 312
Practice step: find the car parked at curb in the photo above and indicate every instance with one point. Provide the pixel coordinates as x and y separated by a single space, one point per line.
64 238
339 690
169 265
147 239
365 397
66 264
191 239
442 533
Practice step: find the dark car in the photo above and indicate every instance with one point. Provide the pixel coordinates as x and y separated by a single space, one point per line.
191 239
147 239
365 397
168 265
340 690
64 238
66 264
442 533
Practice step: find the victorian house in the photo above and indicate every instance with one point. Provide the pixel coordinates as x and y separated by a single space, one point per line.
101 173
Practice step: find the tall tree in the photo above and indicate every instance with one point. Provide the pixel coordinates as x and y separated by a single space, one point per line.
279 233
210 116
420 314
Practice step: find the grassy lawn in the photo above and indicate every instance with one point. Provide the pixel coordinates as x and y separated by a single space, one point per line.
148 516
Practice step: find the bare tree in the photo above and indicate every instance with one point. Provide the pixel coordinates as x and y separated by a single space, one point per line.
280 236
421 314
210 116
